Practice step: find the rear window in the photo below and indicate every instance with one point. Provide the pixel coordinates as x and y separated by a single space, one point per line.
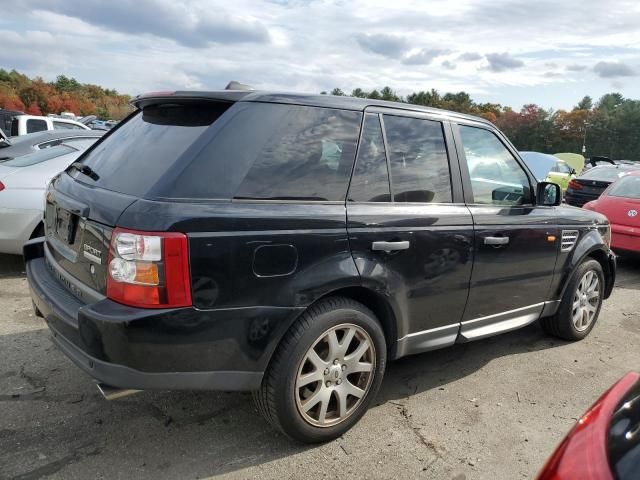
253 151
39 156
628 187
604 174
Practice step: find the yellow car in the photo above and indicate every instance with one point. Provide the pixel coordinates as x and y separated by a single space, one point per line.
549 168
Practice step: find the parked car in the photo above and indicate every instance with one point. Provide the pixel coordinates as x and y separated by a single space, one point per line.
590 185
574 160
18 146
596 161
549 168
23 181
605 443
24 124
280 244
620 203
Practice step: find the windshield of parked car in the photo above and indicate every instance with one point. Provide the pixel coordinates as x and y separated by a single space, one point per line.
628 187
540 164
604 174
39 156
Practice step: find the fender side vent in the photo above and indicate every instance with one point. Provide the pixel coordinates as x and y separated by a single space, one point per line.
569 239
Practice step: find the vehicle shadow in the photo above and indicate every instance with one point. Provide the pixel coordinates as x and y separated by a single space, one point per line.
11 266
628 274
165 434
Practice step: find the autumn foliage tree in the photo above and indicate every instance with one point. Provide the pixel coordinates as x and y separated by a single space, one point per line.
37 97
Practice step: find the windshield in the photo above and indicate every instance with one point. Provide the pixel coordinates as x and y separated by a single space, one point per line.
628 187
39 156
540 164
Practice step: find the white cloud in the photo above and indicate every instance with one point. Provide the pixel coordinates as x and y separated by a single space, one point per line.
500 49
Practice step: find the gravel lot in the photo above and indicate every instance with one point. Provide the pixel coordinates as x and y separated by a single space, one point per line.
492 409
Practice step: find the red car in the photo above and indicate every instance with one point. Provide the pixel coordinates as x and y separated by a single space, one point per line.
605 443
620 203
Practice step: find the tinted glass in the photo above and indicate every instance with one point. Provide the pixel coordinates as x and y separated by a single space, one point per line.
144 149
370 182
605 174
496 176
628 187
61 126
418 160
36 125
299 153
39 156
254 150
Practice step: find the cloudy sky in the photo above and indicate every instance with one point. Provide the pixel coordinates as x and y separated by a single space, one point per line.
511 52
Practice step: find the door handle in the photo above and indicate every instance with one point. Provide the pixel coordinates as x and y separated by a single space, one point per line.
496 240
390 246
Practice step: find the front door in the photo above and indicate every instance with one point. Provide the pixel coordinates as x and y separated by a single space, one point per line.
516 242
410 233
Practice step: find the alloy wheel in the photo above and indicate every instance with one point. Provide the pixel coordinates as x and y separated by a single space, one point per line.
335 375
586 301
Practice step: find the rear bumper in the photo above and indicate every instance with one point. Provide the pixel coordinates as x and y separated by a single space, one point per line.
578 199
186 348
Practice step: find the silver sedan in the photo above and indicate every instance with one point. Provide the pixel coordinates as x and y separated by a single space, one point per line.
23 181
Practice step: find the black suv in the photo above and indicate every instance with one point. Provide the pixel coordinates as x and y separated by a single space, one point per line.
291 245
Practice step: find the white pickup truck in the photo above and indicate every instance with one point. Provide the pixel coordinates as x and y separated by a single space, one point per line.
23 124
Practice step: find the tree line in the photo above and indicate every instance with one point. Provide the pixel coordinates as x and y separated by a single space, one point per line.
609 126
37 97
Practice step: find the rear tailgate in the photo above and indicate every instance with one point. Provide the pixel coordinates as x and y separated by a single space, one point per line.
593 187
621 211
78 226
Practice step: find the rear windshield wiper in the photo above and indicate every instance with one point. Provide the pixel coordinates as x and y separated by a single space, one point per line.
86 169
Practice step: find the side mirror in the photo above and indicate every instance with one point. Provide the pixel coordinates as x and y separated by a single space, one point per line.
573 171
548 194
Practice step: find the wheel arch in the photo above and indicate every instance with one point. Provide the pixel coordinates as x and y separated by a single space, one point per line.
591 246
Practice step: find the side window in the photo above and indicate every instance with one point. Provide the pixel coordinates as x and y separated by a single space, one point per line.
302 153
496 176
418 160
34 125
563 167
370 182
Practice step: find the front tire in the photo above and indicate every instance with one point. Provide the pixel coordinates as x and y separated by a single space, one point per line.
580 305
325 372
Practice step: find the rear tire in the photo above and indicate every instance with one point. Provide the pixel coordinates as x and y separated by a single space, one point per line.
325 372
580 304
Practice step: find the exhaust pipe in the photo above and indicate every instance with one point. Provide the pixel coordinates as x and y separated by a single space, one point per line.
114 393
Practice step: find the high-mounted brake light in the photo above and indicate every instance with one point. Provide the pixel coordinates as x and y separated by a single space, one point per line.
149 269
163 93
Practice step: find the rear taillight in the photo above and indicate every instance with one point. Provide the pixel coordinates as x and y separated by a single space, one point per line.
149 269
1 186
574 185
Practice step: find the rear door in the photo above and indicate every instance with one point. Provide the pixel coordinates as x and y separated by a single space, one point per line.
516 241
409 230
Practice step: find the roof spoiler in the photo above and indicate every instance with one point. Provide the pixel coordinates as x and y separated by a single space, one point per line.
233 85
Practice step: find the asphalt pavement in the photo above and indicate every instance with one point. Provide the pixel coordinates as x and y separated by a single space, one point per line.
492 409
